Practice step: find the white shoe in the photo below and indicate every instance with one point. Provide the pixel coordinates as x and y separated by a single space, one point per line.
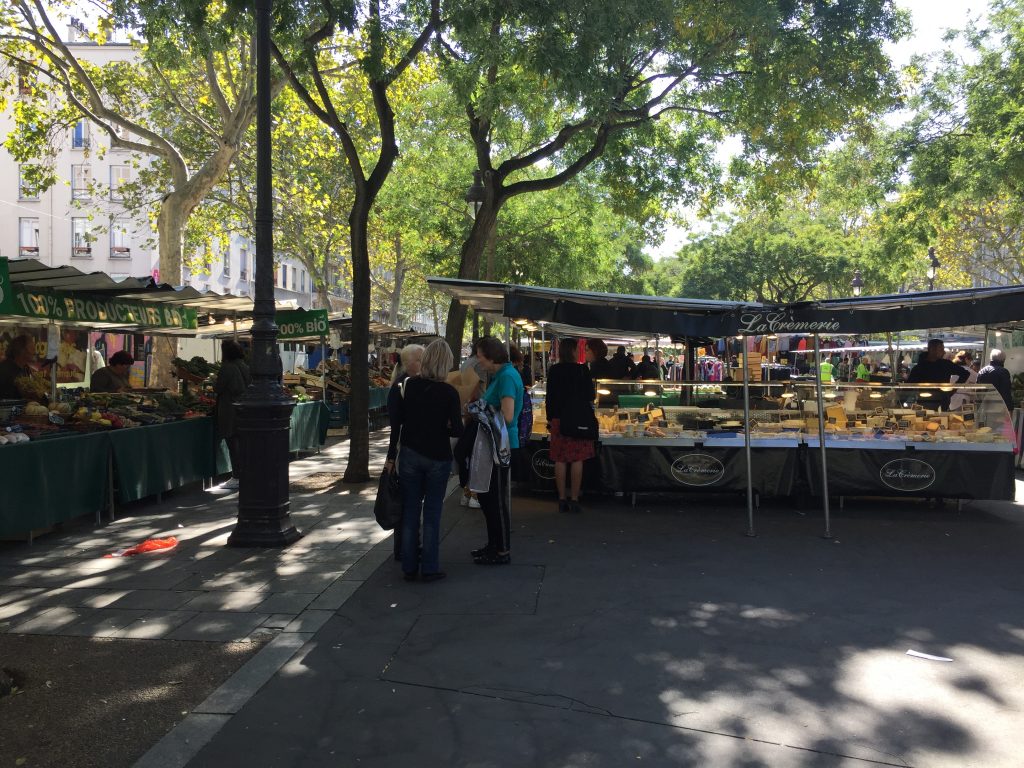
464 501
474 503
230 485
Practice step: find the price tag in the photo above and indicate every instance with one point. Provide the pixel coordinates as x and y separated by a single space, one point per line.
623 416
643 418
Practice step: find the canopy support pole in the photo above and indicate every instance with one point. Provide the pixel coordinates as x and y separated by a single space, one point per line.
544 354
821 436
323 369
746 445
508 333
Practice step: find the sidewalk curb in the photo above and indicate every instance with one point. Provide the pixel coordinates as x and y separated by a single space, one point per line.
183 742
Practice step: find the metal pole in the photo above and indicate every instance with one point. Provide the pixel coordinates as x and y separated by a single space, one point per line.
264 411
746 440
821 435
544 354
508 332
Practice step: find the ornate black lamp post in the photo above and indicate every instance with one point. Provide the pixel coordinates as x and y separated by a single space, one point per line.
265 410
933 268
858 283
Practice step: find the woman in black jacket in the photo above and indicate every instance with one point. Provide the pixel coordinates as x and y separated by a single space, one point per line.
569 386
429 414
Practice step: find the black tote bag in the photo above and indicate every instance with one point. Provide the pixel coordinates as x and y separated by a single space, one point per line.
388 506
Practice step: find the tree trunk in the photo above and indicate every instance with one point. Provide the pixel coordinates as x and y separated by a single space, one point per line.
323 295
396 294
170 224
358 469
469 269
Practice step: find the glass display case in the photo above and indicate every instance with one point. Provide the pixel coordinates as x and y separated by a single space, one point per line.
786 414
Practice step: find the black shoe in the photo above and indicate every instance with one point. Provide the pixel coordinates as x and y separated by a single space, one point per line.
433 576
409 576
493 558
574 507
480 552
563 506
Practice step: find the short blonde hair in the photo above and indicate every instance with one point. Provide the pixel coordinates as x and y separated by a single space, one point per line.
410 351
437 361
406 355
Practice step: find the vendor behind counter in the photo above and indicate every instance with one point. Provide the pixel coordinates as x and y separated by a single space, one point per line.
113 378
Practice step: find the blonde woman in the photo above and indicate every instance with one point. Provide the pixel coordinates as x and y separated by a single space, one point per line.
429 414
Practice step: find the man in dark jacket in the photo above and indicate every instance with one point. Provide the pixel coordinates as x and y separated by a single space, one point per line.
995 373
934 368
648 369
620 367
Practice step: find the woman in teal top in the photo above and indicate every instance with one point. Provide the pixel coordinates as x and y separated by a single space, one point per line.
505 392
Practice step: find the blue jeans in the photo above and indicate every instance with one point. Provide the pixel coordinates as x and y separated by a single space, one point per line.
423 482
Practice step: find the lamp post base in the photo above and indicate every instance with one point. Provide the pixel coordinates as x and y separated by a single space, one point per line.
264 518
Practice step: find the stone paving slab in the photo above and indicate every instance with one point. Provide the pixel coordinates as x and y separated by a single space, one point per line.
156 625
218 626
285 602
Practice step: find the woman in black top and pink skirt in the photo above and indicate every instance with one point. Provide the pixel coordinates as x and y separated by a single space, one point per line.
568 381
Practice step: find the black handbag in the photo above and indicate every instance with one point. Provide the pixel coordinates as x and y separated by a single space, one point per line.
578 419
388 506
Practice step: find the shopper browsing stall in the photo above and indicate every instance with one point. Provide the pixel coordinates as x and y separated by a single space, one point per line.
430 414
114 377
995 373
570 390
597 359
505 393
232 380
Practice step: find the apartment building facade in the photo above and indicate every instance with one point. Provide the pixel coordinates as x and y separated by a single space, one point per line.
82 220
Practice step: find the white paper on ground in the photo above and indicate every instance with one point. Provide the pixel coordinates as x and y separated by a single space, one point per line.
919 655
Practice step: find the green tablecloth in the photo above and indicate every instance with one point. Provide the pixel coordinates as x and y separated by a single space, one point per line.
160 457
308 426
379 397
52 480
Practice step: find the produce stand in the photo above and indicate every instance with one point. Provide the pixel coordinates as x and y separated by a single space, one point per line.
50 481
151 460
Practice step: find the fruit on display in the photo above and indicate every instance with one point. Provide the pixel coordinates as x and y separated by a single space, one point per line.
198 368
34 387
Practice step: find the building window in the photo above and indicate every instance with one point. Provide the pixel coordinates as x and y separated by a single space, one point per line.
81 242
28 238
119 175
119 247
302 282
243 263
25 80
227 262
284 276
80 135
81 178
25 191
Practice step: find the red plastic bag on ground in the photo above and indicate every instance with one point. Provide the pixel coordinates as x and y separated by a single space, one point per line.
149 545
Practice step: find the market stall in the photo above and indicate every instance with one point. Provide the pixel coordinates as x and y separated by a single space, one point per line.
68 453
792 432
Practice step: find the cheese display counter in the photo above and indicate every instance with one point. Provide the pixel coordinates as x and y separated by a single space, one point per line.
912 440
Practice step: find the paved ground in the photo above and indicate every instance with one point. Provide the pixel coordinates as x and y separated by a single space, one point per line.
663 636
657 634
201 590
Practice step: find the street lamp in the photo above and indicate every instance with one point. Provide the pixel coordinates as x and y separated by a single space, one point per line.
264 411
933 268
475 194
858 283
